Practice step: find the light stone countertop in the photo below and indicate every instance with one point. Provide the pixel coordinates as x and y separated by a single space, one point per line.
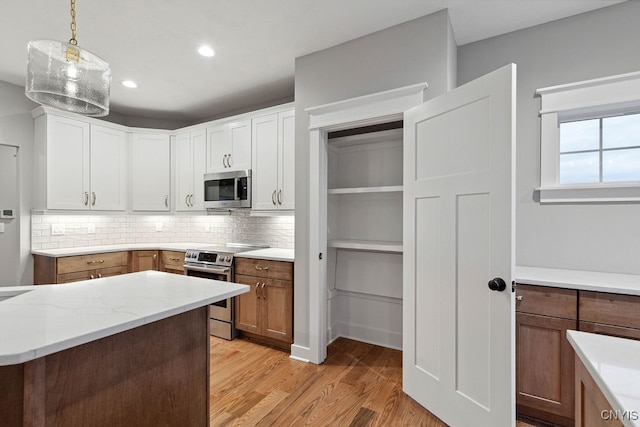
41 320
87 250
616 283
614 364
272 254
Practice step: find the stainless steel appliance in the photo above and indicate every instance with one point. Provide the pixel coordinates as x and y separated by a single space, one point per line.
216 262
227 190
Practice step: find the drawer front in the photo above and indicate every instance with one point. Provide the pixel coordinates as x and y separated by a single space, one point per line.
281 270
76 276
172 258
610 309
546 301
92 262
615 331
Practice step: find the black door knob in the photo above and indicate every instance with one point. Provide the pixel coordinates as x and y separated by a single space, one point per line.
497 284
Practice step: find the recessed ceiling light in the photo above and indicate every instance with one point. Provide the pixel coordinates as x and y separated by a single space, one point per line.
206 51
130 84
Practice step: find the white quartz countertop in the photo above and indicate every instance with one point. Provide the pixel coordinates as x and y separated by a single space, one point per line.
616 283
614 364
87 250
40 320
273 254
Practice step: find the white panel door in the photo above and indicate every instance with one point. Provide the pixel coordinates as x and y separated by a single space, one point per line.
67 164
286 160
240 145
217 148
199 155
184 171
108 169
151 172
458 335
264 181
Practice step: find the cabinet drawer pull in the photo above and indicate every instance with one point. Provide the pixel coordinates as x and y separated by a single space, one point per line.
174 258
101 261
261 268
91 276
519 298
99 275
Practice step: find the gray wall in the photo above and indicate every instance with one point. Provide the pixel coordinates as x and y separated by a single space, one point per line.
413 52
600 237
16 130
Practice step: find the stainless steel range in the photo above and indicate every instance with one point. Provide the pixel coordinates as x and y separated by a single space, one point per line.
216 262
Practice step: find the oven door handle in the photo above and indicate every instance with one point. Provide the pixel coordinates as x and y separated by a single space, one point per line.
215 270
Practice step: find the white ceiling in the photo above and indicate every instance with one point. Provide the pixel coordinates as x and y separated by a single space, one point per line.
154 42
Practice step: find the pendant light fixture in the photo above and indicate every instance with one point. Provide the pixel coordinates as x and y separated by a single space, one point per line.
64 76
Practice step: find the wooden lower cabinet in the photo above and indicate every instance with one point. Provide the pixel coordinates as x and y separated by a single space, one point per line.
267 309
172 262
544 356
592 407
48 270
610 314
143 261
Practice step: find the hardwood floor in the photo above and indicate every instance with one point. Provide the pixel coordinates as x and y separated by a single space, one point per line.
358 385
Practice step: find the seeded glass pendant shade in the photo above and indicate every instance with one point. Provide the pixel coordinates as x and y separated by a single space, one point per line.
64 76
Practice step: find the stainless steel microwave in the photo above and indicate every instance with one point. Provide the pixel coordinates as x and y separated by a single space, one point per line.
227 190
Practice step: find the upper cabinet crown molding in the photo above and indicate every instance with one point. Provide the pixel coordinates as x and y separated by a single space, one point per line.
385 105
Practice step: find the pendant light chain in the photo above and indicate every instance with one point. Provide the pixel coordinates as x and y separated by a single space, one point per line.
73 40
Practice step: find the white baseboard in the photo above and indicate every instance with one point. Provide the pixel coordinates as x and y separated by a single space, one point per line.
300 353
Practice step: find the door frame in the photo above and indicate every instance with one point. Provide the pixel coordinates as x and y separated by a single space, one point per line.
366 110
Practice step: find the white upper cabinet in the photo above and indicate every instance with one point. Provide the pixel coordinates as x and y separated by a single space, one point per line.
229 147
151 172
191 161
80 166
273 140
108 168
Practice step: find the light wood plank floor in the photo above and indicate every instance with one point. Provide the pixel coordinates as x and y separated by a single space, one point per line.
358 385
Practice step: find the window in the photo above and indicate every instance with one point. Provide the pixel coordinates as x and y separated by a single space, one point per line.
600 150
590 141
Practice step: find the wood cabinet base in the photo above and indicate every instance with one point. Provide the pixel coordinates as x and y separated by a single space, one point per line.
156 374
592 408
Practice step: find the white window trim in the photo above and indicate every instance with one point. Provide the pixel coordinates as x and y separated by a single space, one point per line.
581 100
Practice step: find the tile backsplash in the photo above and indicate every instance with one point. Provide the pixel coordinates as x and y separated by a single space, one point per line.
97 230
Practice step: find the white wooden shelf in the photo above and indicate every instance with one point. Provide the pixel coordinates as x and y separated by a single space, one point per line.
365 190
367 245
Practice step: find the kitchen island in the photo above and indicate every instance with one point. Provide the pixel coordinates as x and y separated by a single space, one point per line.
124 350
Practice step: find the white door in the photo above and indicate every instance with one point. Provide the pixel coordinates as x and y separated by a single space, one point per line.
458 335
184 171
286 160
217 148
108 169
151 172
265 162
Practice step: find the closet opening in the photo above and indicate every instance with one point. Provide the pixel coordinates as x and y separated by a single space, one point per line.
364 234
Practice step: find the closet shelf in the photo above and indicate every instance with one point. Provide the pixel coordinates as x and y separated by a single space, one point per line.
364 190
367 245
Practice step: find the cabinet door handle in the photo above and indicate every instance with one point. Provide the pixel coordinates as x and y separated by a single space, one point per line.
261 268
186 200
86 198
99 275
264 294
166 201
279 197
191 200
258 289
94 198
519 297
229 162
273 197
224 161
91 276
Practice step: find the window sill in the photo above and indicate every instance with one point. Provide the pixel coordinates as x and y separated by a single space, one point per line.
602 193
